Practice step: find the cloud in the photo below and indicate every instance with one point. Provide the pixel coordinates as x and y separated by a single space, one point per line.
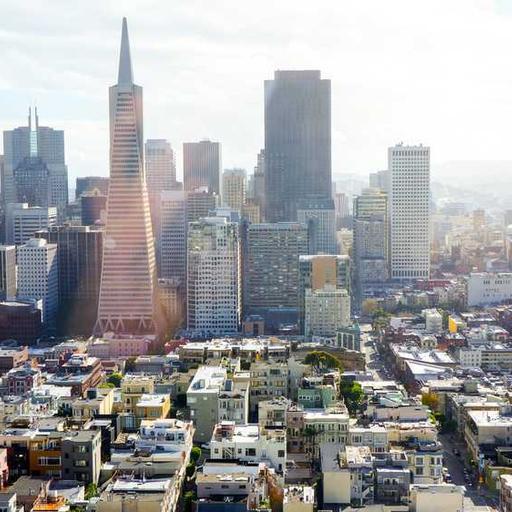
434 72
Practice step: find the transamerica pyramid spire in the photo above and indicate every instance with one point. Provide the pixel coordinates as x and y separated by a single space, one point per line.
125 75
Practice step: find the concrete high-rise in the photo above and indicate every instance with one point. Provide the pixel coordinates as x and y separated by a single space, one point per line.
38 276
272 268
79 253
409 210
234 188
128 301
213 276
202 165
160 176
321 272
7 271
370 245
22 221
320 217
297 142
326 311
35 169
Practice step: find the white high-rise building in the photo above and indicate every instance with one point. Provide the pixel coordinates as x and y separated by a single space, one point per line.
213 276
326 311
38 276
22 221
128 295
409 211
234 188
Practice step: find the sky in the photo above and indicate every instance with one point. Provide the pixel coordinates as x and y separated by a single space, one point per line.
435 71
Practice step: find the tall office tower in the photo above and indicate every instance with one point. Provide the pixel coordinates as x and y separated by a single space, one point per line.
380 180
272 266
89 184
342 210
38 276
202 165
200 203
213 276
128 301
7 271
35 169
79 253
297 142
173 235
409 210
160 176
507 218
319 272
370 245
320 217
22 221
234 188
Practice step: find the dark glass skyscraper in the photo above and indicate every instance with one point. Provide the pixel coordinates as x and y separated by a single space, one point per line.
297 142
201 165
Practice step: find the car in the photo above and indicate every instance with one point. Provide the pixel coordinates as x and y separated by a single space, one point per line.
448 478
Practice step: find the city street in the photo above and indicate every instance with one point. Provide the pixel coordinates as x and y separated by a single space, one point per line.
373 361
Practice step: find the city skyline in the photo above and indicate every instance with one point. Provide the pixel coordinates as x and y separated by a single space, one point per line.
373 108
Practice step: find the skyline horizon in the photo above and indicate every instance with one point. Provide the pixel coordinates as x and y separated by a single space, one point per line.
182 106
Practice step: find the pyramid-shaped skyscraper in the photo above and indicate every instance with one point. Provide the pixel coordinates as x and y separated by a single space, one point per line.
127 301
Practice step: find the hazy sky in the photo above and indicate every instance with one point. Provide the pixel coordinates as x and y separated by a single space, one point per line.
433 71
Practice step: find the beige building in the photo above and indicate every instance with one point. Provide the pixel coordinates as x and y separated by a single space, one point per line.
486 428
133 387
97 401
153 406
433 498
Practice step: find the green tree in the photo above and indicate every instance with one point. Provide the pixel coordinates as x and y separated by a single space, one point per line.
431 400
115 379
353 396
324 360
195 454
106 385
91 491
